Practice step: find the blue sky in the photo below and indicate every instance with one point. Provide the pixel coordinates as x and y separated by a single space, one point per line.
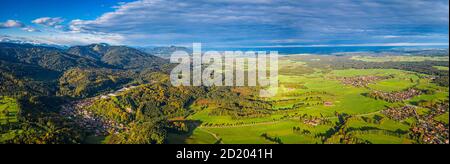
228 23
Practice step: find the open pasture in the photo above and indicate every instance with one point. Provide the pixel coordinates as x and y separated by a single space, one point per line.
311 92
400 58
8 110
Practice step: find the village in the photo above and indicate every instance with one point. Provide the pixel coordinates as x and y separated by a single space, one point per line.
400 113
430 130
362 81
93 123
88 120
395 96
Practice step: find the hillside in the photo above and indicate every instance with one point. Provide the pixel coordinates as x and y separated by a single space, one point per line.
119 56
43 78
80 70
165 52
45 57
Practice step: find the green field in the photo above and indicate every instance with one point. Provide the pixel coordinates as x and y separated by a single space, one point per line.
8 110
96 139
341 98
443 118
107 94
441 68
400 58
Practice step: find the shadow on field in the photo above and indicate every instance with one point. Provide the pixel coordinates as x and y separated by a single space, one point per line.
179 137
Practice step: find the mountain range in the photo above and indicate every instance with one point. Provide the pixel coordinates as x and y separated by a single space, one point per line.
78 71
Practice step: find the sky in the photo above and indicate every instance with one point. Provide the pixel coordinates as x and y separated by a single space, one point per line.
228 23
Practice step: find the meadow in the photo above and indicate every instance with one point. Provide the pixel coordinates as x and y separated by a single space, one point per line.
441 68
8 110
326 96
404 58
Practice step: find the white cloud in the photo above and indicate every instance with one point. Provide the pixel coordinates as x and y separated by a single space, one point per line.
66 38
60 35
48 21
227 21
17 24
258 22
74 38
18 39
30 29
76 25
12 24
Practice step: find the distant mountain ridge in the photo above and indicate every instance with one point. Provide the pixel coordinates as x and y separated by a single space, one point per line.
46 57
20 40
78 71
89 56
166 52
119 56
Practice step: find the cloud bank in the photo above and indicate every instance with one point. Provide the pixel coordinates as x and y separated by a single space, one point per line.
256 22
50 22
11 24
265 22
17 24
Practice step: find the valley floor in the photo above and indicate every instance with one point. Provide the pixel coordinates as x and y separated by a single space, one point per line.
367 120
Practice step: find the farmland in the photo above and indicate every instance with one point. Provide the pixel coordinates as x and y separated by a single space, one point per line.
327 96
400 58
320 99
8 110
441 68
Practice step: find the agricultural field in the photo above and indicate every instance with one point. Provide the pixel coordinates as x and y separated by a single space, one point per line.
315 105
400 58
8 110
443 118
441 68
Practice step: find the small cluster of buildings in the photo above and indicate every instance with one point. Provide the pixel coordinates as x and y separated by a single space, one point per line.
88 120
312 121
399 113
430 130
362 81
395 96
